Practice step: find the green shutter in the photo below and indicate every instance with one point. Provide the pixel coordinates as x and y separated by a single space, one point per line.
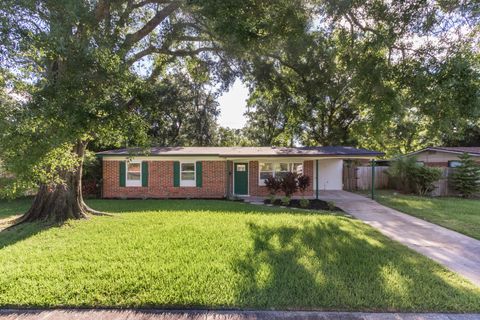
199 174
122 173
144 173
176 173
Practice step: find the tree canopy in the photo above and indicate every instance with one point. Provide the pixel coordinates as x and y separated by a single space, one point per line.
389 75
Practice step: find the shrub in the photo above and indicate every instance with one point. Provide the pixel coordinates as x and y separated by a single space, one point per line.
423 179
273 185
466 178
414 177
304 203
331 205
271 198
303 183
286 200
289 184
400 170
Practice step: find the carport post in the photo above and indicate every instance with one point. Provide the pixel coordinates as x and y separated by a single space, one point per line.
373 179
316 180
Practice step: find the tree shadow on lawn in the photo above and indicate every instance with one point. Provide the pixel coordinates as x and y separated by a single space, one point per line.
331 266
10 208
16 233
214 205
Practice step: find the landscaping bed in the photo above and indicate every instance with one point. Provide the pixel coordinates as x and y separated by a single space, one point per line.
313 204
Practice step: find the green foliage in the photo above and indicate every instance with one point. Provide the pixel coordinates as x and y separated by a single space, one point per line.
356 80
119 74
424 178
453 213
466 178
271 198
331 205
285 200
227 137
240 256
413 176
400 171
179 111
304 203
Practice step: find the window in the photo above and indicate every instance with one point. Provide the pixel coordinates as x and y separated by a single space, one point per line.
266 170
297 168
281 169
241 167
454 163
187 174
277 169
134 174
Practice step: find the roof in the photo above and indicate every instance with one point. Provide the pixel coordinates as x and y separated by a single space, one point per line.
474 151
244 151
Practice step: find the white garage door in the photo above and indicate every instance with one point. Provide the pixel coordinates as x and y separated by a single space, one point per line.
329 175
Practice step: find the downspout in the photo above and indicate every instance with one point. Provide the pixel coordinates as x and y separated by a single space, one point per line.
373 179
316 180
227 172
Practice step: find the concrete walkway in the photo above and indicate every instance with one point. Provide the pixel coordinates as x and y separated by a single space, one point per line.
130 314
455 251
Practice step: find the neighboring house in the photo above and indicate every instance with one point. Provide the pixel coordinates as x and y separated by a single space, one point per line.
218 172
444 156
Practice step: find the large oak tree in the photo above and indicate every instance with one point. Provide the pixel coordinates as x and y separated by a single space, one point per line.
78 68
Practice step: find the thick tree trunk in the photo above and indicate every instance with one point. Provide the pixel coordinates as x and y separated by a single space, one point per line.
59 203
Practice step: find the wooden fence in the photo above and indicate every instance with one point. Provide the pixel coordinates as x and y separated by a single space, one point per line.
360 178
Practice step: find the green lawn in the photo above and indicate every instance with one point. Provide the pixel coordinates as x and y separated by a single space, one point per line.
219 254
14 207
462 215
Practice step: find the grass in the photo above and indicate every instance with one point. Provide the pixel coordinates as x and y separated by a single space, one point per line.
462 215
219 254
14 207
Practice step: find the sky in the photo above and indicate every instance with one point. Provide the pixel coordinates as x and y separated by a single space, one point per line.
233 106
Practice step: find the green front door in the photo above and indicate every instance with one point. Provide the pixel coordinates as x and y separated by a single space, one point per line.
240 178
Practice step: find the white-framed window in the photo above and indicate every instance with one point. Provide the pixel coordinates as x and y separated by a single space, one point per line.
266 170
277 169
134 174
454 163
187 174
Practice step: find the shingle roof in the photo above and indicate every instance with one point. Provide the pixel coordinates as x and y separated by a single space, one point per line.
472 150
475 151
244 151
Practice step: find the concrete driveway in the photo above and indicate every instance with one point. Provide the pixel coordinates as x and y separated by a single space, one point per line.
455 251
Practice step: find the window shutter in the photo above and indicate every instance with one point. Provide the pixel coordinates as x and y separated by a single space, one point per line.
122 173
176 173
199 174
144 173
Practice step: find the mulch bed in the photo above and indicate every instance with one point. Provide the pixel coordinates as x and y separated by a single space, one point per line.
314 204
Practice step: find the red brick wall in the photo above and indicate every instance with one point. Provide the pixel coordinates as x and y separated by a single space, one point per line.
436 164
160 182
256 190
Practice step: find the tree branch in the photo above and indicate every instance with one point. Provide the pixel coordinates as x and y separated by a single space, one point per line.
160 16
101 10
175 53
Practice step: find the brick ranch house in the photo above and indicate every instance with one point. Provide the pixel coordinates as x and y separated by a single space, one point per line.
219 172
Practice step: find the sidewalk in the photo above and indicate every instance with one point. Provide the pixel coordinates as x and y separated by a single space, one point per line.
132 314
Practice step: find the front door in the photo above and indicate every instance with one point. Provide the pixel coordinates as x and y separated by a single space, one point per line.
240 179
